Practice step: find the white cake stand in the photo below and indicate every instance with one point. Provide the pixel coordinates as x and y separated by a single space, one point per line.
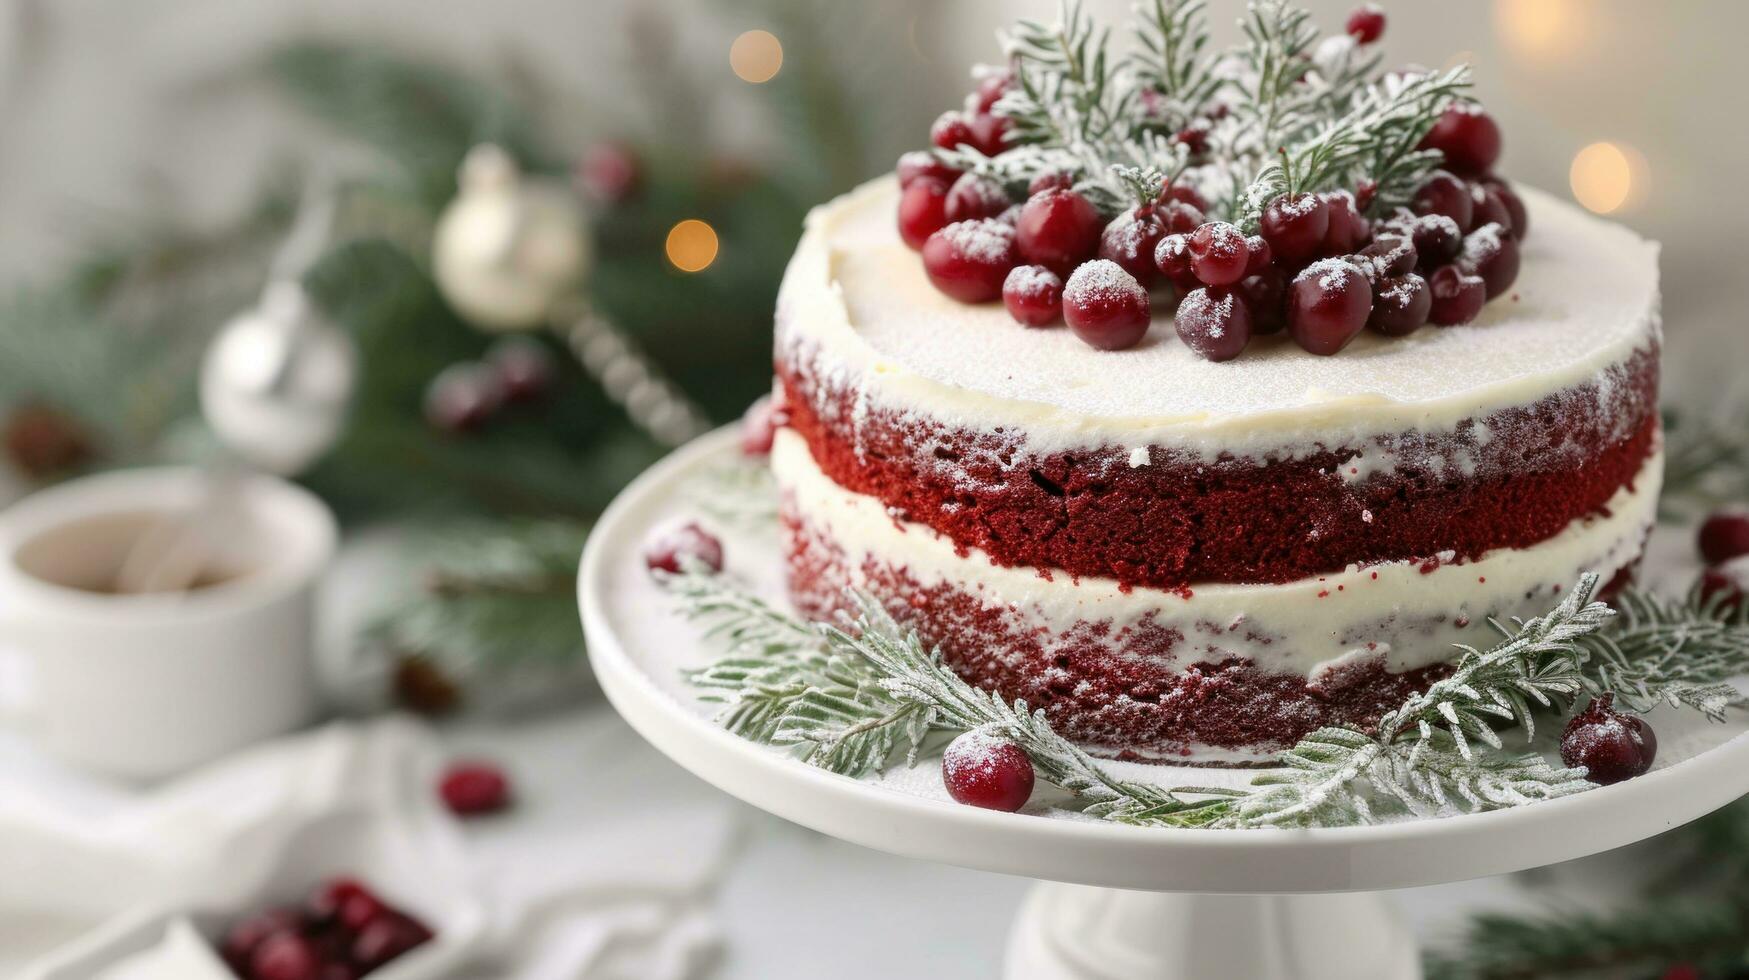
1115 901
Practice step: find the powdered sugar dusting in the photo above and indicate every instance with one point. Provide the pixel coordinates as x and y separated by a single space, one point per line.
982 240
1330 273
1032 280
1101 280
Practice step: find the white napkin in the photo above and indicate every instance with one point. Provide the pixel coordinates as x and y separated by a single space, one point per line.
542 892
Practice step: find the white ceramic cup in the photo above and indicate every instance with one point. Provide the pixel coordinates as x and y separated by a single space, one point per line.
147 685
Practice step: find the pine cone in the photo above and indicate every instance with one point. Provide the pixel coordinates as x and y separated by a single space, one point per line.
44 442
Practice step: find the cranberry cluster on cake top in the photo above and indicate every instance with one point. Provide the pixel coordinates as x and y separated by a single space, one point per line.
1288 184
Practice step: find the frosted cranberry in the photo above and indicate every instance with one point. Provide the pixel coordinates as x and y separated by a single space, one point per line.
1366 24
1328 304
1214 322
990 133
1057 228
1266 297
1033 295
922 210
1172 256
1258 255
952 129
1724 536
1490 253
1130 239
1457 296
1195 138
386 939
1295 226
1611 745
969 259
973 196
1400 305
463 398
991 88
239 942
1050 180
1219 255
1467 136
1514 206
1348 230
984 771
470 788
1442 193
1179 217
1391 255
1722 590
524 367
1488 207
284 956
670 549
759 425
1436 238
1105 306
922 163
1184 194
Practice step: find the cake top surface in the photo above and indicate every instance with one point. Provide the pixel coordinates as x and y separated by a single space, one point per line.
1587 298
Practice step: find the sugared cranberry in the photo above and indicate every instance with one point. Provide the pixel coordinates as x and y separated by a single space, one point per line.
1130 239
1457 295
1366 24
1514 206
1295 226
1266 297
239 941
1443 193
284 956
1185 194
1050 180
1010 216
973 196
1724 536
1328 304
968 260
1400 305
1179 217
1365 192
1391 255
463 397
984 771
1218 254
1467 136
922 210
1611 745
991 88
387 938
1195 138
1436 238
1057 228
1105 306
471 788
1258 254
1723 588
524 367
990 133
759 425
1033 295
609 172
1490 253
671 549
1488 207
1214 322
1172 257
952 129
922 163
1348 230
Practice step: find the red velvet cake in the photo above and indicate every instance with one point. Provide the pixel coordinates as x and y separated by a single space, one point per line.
1198 537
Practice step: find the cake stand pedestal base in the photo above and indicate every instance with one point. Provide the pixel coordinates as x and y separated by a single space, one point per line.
1077 932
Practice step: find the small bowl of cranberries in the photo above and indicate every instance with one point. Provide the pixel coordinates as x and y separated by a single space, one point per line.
341 929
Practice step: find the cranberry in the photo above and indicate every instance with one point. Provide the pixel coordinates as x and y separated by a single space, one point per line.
1457 295
972 196
1180 217
1218 253
759 425
1328 304
968 260
1184 194
1400 305
1492 254
984 771
1266 297
1295 226
1366 24
952 129
669 550
1724 536
1050 180
1722 589
1681 971
922 163
1444 194
525 368
284 956
463 397
239 941
1514 206
1258 255
1488 207
1391 255
1057 228
1033 295
1195 138
470 788
1172 257
1130 239
1214 322
1365 192
1611 745
1105 306
345 901
1436 238
1348 230
609 172
922 210
387 938
338 971
1467 136
991 88
990 133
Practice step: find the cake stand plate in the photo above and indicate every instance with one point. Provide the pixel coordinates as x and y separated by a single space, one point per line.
1117 901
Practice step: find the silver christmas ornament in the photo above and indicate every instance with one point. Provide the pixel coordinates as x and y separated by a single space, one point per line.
510 247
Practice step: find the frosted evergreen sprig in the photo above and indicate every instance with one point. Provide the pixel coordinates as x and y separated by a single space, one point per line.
1172 60
1680 652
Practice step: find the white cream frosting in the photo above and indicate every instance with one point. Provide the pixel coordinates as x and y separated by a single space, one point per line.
858 305
1397 610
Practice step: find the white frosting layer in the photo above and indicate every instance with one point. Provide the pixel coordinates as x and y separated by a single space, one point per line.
857 304
1397 610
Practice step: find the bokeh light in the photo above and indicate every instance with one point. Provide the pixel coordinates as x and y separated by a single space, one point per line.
1539 28
756 56
692 245
1605 176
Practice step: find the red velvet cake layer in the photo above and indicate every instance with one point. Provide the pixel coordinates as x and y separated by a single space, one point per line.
1509 480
